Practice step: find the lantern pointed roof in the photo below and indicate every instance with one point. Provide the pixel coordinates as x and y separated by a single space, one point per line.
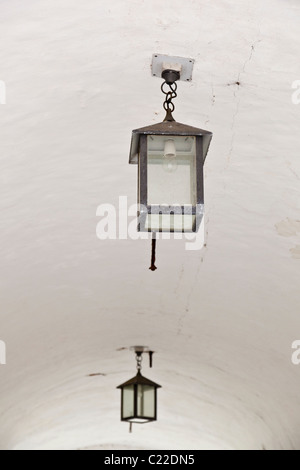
168 128
139 379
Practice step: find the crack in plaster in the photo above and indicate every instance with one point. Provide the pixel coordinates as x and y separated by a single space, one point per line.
188 302
288 164
213 99
238 84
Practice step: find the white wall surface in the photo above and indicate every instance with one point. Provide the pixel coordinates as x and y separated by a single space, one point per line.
222 319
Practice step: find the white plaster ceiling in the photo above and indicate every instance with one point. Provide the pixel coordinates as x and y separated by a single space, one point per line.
222 320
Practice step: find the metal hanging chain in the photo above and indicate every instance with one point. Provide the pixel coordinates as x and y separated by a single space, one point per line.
171 94
139 360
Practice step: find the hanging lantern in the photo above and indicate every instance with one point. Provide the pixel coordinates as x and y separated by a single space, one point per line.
139 397
170 158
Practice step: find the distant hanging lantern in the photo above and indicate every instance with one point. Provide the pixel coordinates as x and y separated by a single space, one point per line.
139 395
170 158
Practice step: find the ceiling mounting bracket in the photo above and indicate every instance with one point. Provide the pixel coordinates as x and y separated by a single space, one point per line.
140 350
170 76
181 67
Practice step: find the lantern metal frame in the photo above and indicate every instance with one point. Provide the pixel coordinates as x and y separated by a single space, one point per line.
139 155
139 379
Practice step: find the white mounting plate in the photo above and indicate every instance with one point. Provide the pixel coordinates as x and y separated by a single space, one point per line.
181 64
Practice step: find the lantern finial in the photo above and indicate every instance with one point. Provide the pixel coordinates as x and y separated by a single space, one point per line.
153 256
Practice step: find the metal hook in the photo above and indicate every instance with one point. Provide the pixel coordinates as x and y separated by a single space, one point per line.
151 359
153 253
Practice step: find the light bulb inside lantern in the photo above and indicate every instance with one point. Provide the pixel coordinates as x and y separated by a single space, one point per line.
170 162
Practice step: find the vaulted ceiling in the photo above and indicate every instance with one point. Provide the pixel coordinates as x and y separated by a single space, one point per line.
221 319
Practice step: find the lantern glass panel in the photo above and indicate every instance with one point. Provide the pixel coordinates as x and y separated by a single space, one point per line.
128 401
170 223
146 401
171 170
